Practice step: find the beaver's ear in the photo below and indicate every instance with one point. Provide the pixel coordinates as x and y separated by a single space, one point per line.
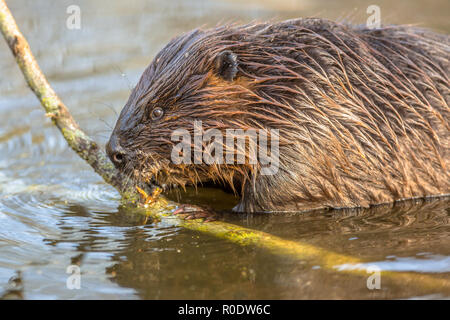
225 65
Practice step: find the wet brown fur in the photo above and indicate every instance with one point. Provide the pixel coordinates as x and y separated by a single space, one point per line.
363 114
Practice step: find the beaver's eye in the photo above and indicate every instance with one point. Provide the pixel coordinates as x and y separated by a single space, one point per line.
157 113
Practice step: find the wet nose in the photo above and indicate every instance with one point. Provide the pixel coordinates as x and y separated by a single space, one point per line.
115 151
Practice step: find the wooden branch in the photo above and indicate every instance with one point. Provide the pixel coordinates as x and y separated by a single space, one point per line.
161 208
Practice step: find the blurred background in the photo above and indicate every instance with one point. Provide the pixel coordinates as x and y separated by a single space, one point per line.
55 211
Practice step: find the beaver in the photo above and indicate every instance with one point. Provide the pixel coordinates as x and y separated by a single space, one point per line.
362 115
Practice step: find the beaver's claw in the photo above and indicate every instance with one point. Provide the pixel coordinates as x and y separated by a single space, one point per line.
189 212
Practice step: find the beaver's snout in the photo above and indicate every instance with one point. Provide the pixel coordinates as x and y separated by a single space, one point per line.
115 152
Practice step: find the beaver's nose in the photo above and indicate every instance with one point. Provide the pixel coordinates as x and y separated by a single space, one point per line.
115 151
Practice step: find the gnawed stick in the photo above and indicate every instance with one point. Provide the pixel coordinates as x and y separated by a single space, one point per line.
160 207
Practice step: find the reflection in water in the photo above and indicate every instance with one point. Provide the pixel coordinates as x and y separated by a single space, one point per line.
56 212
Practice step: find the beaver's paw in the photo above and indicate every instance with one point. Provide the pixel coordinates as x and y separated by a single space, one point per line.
189 212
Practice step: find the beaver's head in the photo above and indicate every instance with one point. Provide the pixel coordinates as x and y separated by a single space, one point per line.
206 76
